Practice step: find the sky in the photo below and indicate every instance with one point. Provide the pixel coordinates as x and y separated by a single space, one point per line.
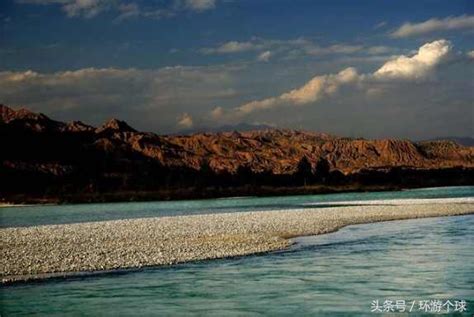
371 69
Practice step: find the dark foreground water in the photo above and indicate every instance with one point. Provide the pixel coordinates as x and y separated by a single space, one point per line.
336 274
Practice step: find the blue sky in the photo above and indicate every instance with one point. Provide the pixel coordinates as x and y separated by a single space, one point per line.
171 65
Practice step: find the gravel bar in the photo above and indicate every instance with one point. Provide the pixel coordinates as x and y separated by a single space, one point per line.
51 250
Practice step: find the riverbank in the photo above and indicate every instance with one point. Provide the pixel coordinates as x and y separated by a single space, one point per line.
36 252
192 193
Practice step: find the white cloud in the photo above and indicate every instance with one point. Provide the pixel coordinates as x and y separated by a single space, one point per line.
470 54
91 8
265 56
376 50
333 49
217 113
232 47
86 8
128 10
254 44
315 89
435 25
185 121
200 5
416 67
75 8
380 25
293 48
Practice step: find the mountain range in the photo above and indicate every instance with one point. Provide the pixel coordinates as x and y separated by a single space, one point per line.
47 160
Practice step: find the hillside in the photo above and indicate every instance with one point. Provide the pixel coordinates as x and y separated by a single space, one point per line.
42 157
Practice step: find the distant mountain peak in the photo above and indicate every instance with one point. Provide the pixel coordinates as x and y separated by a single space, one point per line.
465 141
78 126
8 114
28 119
116 125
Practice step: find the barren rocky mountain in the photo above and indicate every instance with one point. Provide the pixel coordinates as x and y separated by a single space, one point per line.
40 154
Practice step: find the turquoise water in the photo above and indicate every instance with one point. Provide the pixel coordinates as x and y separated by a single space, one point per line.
337 274
39 215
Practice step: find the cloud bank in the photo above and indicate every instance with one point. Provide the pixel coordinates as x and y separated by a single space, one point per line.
416 67
424 93
153 99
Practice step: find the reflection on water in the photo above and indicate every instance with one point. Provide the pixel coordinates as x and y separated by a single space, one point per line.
335 274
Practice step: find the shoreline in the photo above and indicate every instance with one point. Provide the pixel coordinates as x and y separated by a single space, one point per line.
206 194
24 205
179 194
59 276
57 251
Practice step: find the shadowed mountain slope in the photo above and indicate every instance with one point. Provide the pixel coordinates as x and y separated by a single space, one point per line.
45 157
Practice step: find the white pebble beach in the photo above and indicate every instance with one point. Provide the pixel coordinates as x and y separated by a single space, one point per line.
48 250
